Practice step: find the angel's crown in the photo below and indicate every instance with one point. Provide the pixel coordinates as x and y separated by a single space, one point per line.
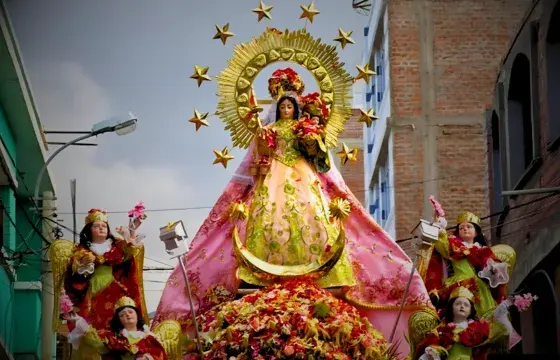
462 292
124 301
96 215
468 217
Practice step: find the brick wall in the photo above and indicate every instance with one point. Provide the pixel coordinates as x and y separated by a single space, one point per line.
353 171
536 226
444 58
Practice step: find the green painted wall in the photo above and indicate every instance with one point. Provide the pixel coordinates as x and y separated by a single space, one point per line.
8 139
27 328
9 231
6 309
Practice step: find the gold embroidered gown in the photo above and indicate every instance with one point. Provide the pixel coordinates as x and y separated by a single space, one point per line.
289 217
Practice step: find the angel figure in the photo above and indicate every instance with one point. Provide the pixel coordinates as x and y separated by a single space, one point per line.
100 270
472 264
294 213
128 337
461 335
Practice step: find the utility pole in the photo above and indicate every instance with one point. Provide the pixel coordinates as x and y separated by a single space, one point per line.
47 306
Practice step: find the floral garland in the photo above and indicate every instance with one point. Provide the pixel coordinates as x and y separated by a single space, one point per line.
444 336
292 320
287 80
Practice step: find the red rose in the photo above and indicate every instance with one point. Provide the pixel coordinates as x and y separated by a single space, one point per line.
475 334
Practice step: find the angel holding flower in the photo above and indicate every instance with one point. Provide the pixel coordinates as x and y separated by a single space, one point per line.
101 269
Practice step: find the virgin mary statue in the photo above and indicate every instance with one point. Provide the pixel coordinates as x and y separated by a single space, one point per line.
289 224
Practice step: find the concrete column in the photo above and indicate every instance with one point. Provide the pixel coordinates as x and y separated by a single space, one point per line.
47 335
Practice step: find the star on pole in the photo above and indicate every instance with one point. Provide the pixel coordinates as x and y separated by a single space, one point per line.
223 33
200 74
365 73
367 117
199 119
346 154
263 11
222 157
309 12
344 38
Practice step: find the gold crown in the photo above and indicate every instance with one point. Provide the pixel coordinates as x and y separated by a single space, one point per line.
96 215
124 301
462 291
468 217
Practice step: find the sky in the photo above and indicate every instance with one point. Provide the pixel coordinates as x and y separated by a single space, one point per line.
88 61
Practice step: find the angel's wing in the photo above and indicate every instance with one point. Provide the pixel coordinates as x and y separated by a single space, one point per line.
169 334
60 254
506 254
420 324
139 260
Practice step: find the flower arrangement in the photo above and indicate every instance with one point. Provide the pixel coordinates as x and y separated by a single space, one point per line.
523 302
65 304
438 210
310 133
284 80
137 212
444 337
291 320
314 106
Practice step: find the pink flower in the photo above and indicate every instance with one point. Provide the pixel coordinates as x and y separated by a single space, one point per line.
437 206
138 211
66 305
523 302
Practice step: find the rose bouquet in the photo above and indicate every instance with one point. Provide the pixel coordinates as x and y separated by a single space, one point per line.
66 307
292 320
523 302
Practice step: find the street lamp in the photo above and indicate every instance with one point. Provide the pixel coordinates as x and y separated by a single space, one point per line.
120 128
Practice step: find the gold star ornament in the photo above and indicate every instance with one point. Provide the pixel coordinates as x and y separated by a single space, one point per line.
365 73
367 117
223 33
309 12
339 209
344 38
263 11
199 119
200 74
346 154
222 157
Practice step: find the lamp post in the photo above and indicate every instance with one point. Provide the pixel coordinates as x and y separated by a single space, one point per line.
120 128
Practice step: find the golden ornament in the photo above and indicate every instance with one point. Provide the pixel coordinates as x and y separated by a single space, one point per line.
263 11
222 157
365 73
199 119
346 154
344 38
223 33
124 301
238 211
367 117
339 209
249 59
309 12
200 74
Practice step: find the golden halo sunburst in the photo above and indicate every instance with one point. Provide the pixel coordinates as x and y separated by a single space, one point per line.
235 82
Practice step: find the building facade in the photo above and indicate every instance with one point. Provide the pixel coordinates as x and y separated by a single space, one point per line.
23 278
437 62
523 124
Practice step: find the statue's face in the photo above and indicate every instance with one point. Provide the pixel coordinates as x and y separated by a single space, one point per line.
128 317
286 109
99 230
461 309
467 231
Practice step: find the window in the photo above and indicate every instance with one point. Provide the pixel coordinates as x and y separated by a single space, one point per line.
553 74
497 200
519 123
